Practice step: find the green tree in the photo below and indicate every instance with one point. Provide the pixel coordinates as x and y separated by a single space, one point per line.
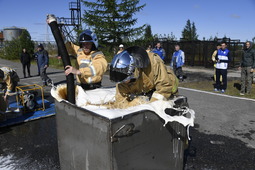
148 37
189 32
113 20
26 42
12 49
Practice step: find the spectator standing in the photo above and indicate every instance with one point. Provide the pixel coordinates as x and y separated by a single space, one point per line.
214 60
149 49
178 60
91 62
25 59
247 68
10 78
222 60
121 48
159 50
43 63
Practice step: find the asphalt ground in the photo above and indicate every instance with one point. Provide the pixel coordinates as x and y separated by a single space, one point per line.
223 136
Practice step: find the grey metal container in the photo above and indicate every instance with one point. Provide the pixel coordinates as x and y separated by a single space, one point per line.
137 141
11 33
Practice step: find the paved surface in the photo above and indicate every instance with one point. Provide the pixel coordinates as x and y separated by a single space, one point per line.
223 136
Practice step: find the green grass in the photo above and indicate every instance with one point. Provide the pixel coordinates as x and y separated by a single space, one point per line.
58 63
233 87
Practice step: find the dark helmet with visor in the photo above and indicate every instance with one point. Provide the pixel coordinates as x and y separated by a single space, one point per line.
88 36
123 64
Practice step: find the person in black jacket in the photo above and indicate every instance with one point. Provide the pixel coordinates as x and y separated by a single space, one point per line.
247 67
26 62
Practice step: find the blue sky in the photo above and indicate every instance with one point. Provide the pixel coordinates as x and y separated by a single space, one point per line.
233 18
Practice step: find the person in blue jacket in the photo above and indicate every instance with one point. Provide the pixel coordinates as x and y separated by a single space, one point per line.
178 60
159 50
43 63
222 60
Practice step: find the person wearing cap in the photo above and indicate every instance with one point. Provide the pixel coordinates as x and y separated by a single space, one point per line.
43 64
91 63
10 78
121 48
149 49
139 73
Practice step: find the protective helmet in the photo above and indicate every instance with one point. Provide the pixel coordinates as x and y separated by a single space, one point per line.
88 36
121 46
123 64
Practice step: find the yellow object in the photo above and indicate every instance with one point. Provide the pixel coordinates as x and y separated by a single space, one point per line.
92 66
10 78
21 91
153 78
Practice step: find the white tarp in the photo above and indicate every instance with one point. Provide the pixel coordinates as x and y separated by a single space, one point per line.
94 99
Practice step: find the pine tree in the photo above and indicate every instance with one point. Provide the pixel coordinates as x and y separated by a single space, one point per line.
189 32
194 35
148 37
112 20
26 42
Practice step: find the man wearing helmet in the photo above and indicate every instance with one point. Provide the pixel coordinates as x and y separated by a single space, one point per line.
9 79
91 62
121 48
141 74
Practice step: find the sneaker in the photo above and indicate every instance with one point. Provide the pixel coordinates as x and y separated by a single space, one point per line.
49 82
217 90
8 110
242 94
222 91
17 110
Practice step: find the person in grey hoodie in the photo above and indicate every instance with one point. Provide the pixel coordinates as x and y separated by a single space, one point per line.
247 67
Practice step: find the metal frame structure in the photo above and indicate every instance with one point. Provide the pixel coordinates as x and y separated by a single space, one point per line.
69 25
20 91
